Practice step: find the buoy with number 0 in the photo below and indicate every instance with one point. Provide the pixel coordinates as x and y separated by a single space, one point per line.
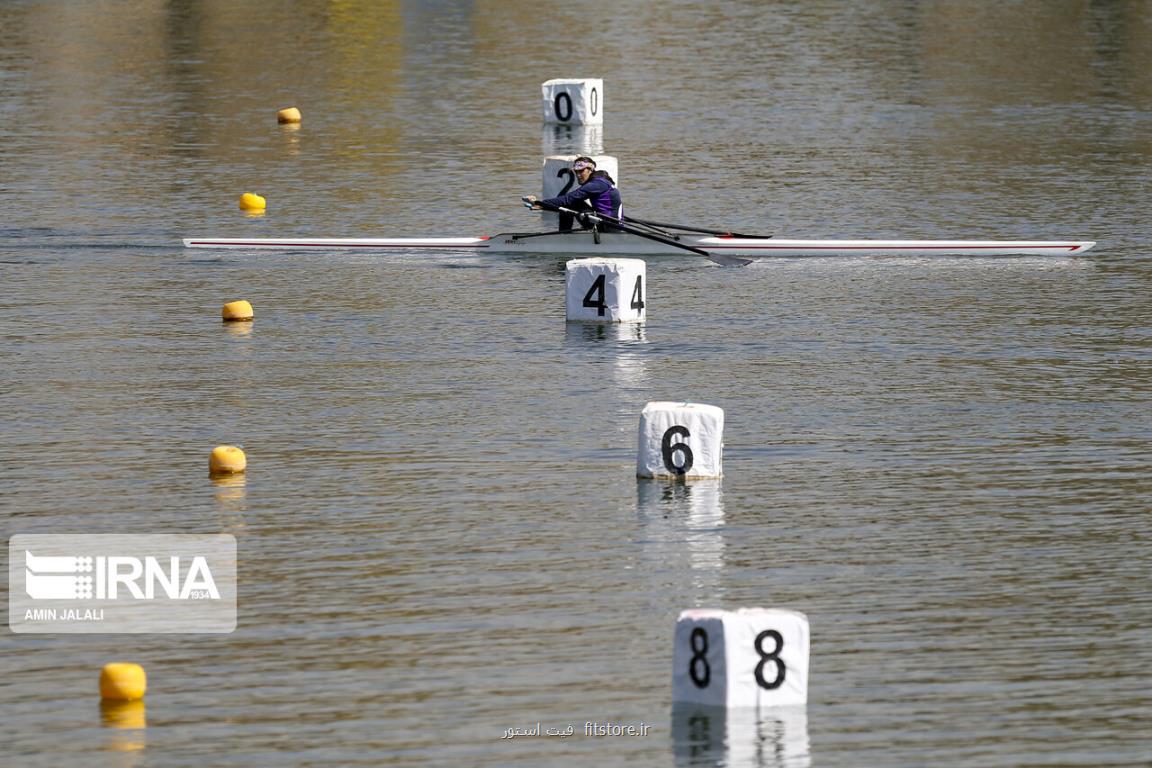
569 101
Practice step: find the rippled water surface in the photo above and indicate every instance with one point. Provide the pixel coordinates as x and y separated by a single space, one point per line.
943 462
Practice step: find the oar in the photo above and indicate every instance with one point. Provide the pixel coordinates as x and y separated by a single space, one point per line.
721 259
701 230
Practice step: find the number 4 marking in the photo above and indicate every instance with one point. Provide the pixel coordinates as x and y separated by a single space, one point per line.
638 295
594 299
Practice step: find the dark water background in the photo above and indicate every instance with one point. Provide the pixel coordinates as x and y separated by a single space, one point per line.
943 462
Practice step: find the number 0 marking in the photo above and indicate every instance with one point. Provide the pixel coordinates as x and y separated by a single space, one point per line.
766 657
563 113
595 102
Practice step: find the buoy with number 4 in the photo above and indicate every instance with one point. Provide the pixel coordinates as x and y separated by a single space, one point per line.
605 291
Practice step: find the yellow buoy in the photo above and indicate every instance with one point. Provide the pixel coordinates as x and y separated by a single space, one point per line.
289 115
237 311
120 681
252 202
226 460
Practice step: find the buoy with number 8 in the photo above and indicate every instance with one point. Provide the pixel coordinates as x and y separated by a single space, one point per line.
750 657
605 291
680 441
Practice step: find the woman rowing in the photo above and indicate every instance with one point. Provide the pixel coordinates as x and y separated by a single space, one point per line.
597 193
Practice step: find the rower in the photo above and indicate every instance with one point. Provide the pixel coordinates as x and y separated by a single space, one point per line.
597 192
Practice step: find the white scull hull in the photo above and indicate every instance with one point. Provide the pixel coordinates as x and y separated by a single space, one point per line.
582 243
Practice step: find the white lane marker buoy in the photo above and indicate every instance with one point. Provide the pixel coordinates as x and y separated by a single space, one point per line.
750 657
680 440
569 101
605 291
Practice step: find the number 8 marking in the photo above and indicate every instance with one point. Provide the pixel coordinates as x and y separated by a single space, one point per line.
698 657
765 657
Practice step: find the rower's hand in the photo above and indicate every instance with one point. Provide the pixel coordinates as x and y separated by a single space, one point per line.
532 202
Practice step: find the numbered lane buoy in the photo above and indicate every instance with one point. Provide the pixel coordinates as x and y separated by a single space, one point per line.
680 440
605 291
237 312
573 101
288 115
751 657
558 178
250 201
227 460
121 681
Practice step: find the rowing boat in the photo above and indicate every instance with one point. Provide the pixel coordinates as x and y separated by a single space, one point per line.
587 243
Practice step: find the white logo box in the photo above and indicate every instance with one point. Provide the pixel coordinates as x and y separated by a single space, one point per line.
129 584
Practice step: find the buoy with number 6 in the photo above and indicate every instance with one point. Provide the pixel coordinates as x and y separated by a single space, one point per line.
288 115
751 657
237 312
227 460
120 681
605 291
680 441
250 201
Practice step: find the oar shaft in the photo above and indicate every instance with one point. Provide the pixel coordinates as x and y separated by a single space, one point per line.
727 261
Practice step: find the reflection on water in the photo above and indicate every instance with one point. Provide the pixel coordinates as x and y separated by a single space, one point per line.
684 530
126 722
624 342
572 140
759 738
230 494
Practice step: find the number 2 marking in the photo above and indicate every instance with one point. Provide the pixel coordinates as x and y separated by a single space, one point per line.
566 173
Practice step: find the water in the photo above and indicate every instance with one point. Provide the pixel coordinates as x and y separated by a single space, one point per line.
943 462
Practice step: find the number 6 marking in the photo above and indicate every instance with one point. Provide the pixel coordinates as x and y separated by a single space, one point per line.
668 449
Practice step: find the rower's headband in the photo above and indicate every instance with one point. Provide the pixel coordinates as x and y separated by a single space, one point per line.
580 165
